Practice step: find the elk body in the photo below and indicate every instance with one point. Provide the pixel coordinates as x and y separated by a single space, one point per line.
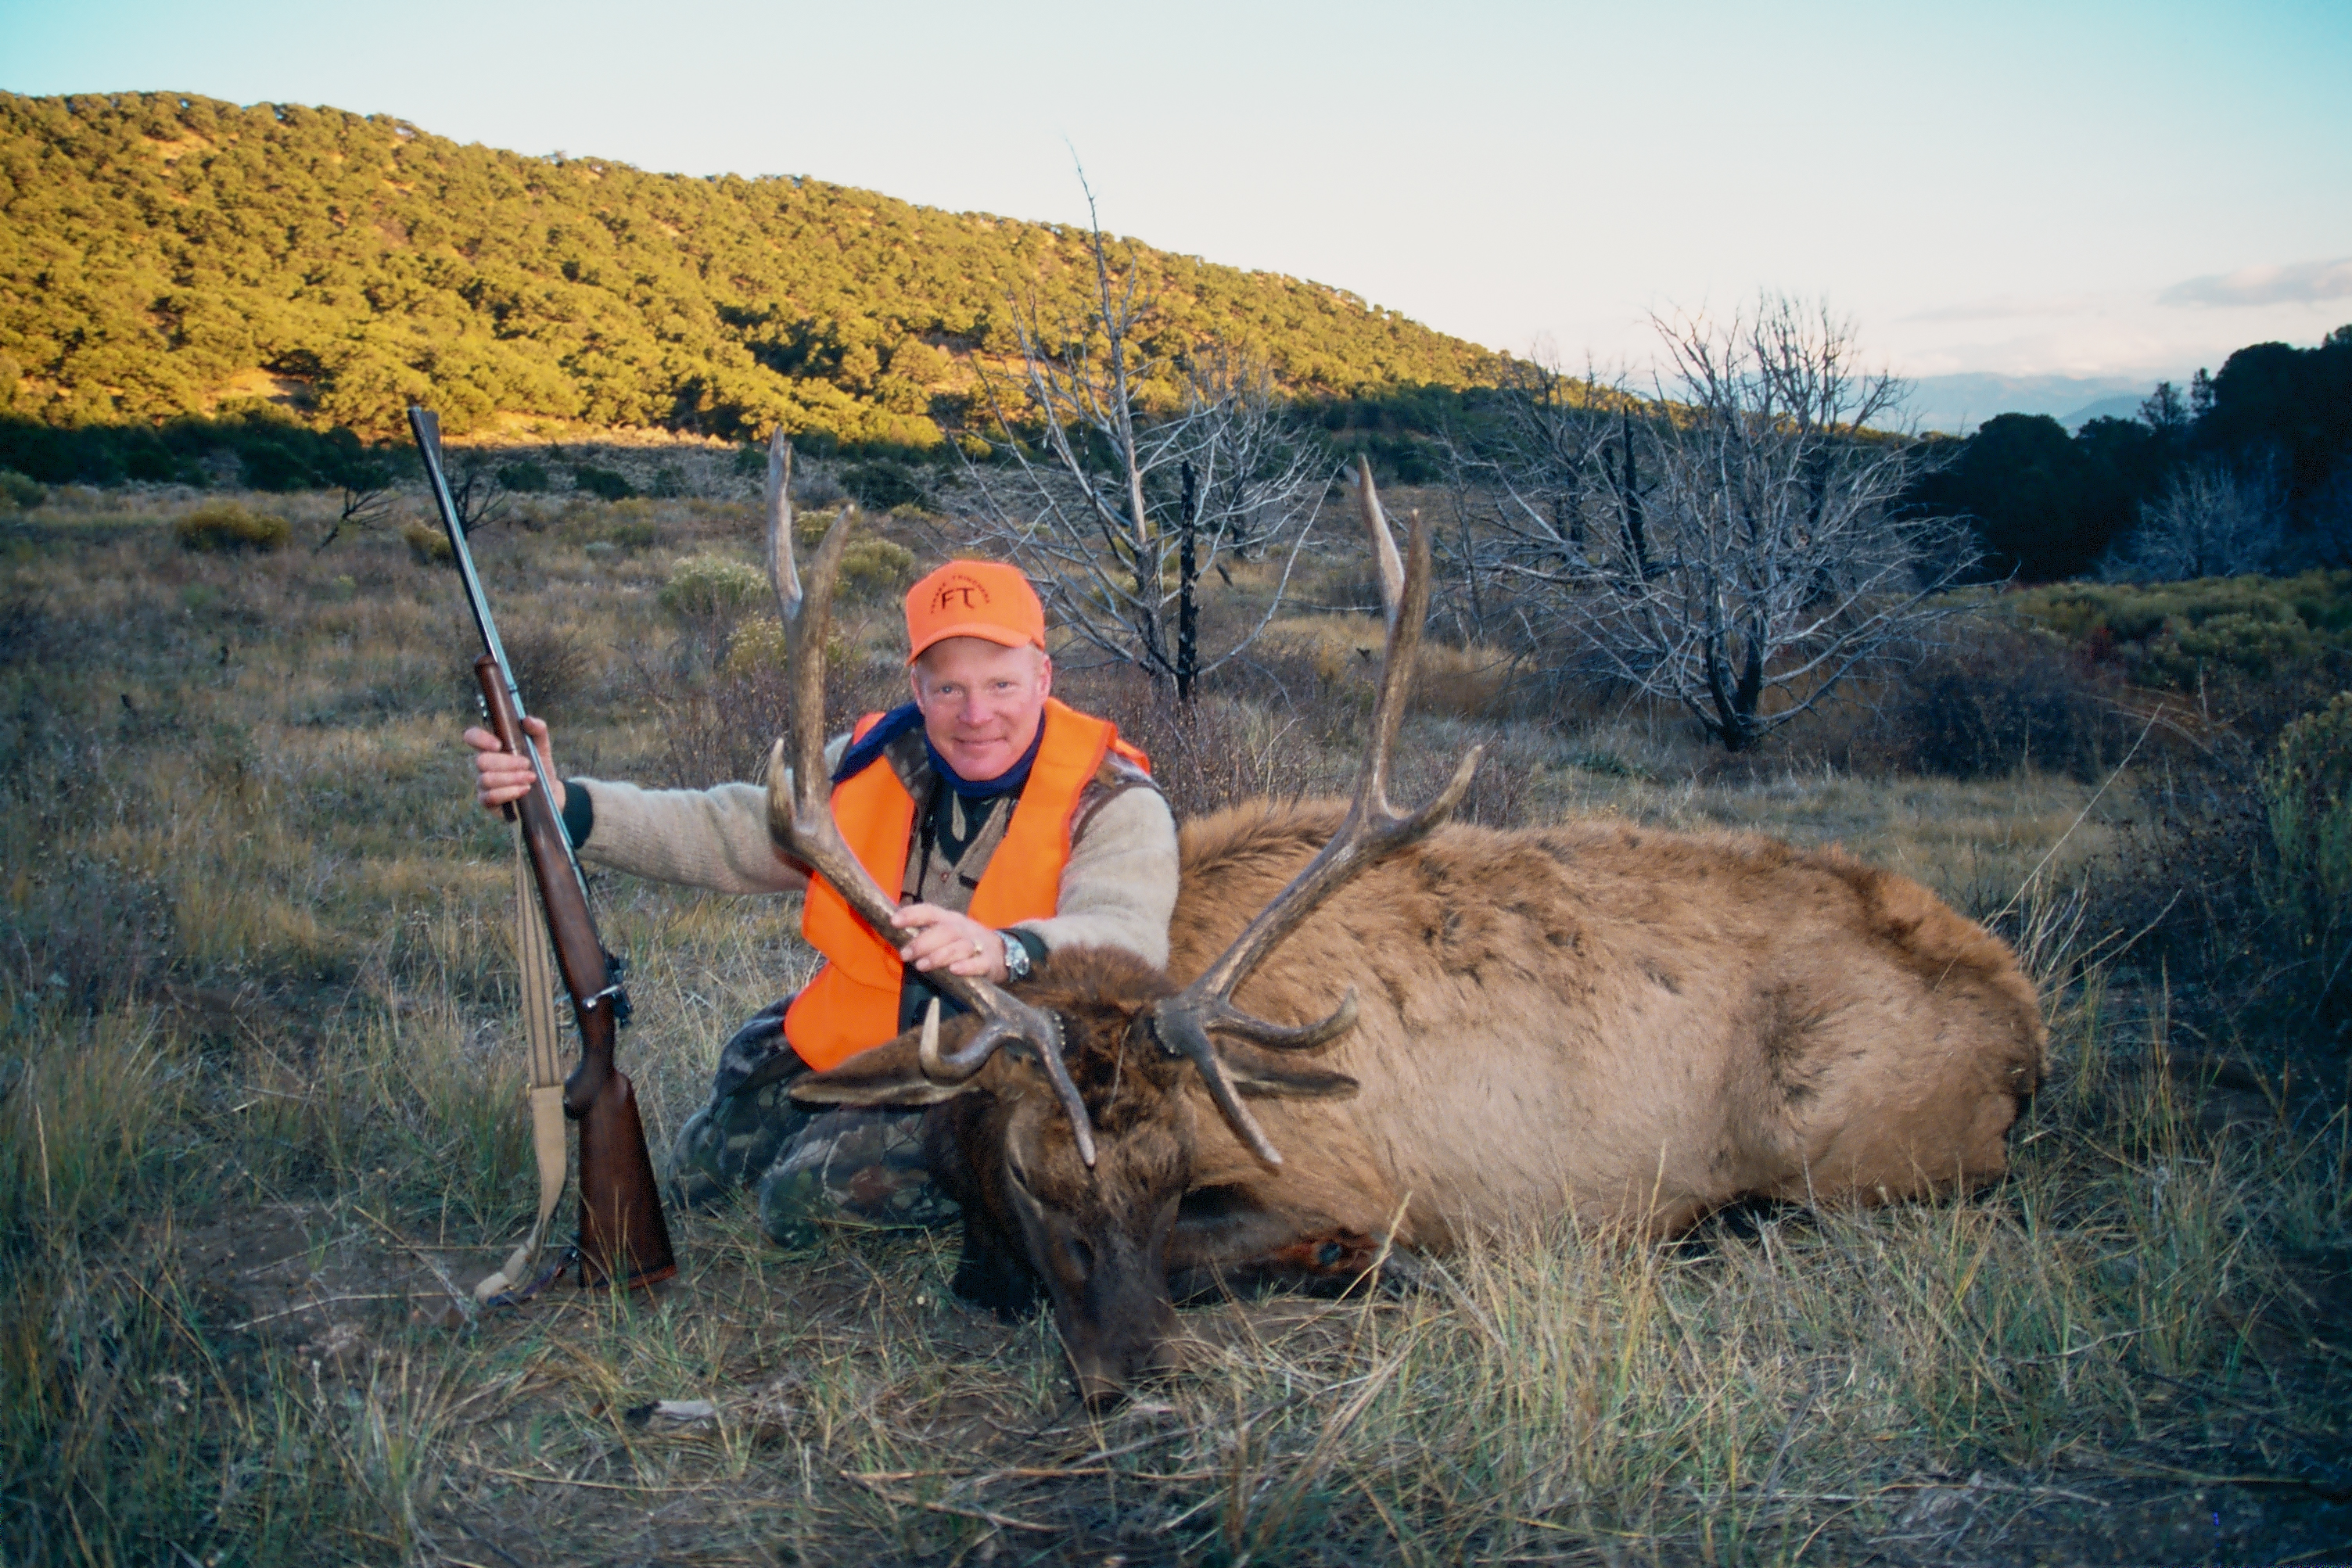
1444 1031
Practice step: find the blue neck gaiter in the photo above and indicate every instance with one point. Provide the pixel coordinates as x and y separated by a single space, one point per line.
1005 783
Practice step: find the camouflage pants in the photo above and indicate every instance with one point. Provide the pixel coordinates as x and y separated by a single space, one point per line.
806 1166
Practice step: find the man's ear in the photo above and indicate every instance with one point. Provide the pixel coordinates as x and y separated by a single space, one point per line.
1262 1076
886 1075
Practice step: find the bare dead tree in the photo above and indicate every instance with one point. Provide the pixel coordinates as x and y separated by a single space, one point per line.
2210 522
368 490
1736 545
1124 474
481 499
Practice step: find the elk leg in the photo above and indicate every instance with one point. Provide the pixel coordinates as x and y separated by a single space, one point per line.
1225 1244
993 1270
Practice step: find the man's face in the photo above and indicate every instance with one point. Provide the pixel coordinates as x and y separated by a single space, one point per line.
982 702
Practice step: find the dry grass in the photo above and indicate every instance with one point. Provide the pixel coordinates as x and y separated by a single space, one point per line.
257 1115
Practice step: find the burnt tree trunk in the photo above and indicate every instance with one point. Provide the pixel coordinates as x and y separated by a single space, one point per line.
1629 500
1188 576
1735 721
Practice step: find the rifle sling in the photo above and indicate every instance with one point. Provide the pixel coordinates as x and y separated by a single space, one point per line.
545 1094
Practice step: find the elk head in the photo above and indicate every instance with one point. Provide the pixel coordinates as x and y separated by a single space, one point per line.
1067 1130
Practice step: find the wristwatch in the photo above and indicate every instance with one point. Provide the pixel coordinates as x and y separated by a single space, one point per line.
1017 956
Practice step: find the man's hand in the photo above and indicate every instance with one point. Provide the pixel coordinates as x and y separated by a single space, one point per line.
501 776
957 942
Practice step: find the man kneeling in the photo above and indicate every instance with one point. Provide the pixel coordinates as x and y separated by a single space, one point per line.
1013 824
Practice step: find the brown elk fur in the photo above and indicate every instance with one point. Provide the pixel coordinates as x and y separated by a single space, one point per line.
1630 1025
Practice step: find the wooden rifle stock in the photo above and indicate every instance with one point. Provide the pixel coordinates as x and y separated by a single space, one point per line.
624 1238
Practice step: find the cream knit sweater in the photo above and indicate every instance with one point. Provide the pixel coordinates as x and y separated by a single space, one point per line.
1117 890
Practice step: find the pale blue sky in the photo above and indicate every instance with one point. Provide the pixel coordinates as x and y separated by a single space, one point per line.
2020 188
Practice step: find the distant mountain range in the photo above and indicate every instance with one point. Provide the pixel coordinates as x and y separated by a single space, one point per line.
1956 404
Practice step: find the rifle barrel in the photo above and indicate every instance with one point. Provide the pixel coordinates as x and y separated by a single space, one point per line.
425 426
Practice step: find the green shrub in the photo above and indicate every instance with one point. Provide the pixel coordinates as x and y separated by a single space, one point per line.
877 566
757 644
712 588
809 527
757 649
278 467
2263 642
2307 797
226 526
2169 635
603 481
526 477
428 545
19 493
867 565
883 484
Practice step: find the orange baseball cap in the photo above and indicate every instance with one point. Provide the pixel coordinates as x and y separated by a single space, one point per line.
974 598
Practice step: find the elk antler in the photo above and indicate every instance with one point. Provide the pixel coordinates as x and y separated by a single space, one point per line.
800 820
1373 831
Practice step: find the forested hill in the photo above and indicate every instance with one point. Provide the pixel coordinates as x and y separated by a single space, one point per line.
162 254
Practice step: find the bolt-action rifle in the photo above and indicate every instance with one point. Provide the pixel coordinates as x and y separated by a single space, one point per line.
623 1236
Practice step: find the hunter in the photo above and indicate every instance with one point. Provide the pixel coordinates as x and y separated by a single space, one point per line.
1022 826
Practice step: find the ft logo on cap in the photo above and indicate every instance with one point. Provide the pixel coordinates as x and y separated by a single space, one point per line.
960 594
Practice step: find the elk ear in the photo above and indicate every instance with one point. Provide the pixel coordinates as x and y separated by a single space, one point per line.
1262 1077
888 1074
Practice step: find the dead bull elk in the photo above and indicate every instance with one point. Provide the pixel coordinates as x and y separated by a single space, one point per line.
1448 1028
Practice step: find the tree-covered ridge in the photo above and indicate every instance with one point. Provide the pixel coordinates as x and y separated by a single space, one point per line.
161 253
2274 424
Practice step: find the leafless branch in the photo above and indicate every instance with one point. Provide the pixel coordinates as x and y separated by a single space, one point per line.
1125 470
1735 543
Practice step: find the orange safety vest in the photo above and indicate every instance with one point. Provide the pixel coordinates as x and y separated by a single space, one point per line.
852 1003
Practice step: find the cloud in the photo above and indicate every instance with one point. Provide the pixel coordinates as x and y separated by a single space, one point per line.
2300 283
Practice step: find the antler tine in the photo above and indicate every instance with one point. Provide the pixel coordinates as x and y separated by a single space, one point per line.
800 820
1005 1021
800 816
783 575
1182 1031
1384 551
1373 831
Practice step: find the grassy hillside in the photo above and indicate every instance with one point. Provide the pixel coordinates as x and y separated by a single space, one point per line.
165 255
